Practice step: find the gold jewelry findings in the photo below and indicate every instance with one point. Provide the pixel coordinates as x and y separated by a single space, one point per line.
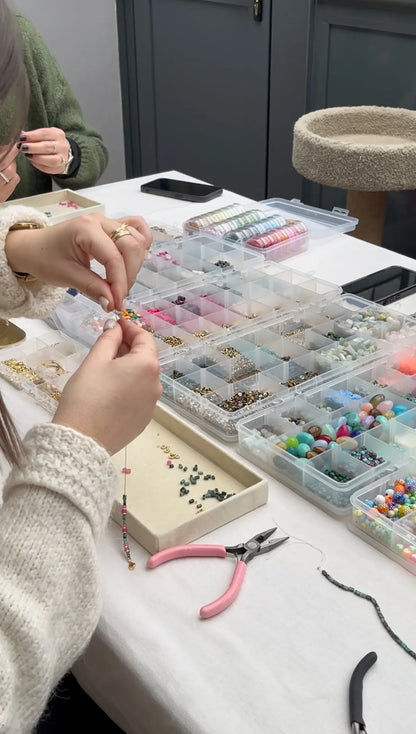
121 231
53 364
28 373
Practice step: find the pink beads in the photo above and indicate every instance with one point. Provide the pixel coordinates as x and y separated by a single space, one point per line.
343 431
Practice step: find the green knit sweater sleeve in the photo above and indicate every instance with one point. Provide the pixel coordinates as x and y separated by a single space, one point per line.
53 104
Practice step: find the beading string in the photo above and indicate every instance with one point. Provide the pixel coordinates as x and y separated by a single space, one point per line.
376 606
352 590
126 547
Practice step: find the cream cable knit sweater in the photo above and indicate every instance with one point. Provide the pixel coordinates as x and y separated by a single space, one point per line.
55 507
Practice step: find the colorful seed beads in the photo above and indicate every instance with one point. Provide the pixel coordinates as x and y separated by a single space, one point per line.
277 236
258 228
129 314
390 516
218 215
398 500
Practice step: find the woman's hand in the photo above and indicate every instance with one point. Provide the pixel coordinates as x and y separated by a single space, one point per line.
61 255
47 149
9 178
111 397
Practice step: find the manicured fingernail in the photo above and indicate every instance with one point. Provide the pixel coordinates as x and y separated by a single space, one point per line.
29 155
109 324
124 305
103 303
25 147
23 137
18 145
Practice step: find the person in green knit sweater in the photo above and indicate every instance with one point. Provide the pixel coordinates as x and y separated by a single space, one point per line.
57 144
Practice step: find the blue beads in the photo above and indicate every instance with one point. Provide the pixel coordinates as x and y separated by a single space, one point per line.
304 437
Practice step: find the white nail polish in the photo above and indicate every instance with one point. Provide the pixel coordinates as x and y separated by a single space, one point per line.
109 324
103 302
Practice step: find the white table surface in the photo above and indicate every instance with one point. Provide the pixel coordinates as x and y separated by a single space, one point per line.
278 661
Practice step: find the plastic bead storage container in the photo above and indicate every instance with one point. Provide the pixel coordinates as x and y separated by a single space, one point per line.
384 515
182 260
185 314
331 440
277 228
41 367
220 382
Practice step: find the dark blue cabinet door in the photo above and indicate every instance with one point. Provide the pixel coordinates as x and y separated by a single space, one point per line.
197 87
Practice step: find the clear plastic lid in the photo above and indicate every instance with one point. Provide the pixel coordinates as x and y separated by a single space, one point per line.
320 222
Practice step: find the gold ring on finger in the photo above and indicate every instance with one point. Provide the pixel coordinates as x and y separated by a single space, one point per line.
121 231
5 179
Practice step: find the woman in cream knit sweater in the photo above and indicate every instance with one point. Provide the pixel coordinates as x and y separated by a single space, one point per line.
58 496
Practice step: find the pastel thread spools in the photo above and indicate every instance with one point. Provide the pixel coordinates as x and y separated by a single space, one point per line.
276 236
264 225
220 229
218 215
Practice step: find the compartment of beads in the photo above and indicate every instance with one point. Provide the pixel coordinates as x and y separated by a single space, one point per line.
324 455
384 514
286 351
228 299
41 367
357 400
353 314
179 261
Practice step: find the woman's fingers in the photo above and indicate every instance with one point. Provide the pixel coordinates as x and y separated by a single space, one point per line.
46 148
96 243
131 246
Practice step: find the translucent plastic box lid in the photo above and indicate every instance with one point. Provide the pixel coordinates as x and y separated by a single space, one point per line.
321 222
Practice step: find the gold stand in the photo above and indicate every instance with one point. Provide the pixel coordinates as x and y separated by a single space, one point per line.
10 334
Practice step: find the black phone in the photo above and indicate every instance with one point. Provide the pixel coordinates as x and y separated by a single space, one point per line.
187 190
384 286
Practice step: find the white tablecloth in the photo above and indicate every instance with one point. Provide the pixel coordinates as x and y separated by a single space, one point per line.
278 661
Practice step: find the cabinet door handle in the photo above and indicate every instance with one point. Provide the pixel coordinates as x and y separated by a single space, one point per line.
258 10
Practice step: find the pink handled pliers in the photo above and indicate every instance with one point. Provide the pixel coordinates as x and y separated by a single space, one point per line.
244 552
